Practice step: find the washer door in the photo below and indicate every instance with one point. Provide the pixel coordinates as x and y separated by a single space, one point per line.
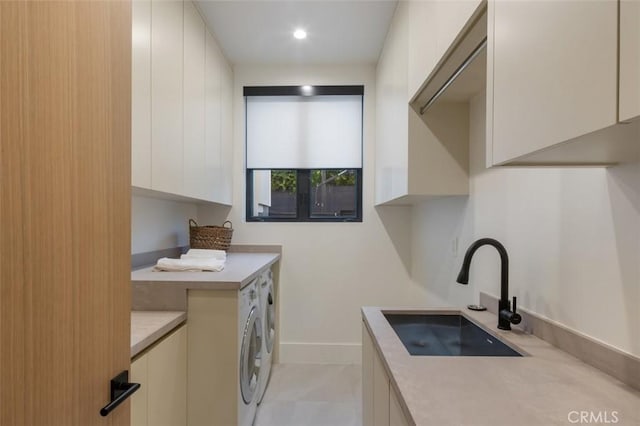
270 321
250 355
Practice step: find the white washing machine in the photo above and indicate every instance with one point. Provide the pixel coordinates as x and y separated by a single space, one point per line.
268 310
250 329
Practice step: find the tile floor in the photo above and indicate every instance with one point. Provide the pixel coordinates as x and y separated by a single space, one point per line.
312 395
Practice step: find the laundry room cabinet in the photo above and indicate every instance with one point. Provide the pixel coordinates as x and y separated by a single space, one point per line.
434 26
418 157
629 60
167 91
225 365
181 104
162 372
380 401
558 75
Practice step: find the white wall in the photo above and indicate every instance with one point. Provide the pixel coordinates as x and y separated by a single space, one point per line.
329 270
159 224
573 237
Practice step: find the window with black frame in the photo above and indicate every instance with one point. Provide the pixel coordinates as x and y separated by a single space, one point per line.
304 153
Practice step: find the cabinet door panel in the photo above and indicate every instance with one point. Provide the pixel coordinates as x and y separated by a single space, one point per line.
213 150
380 393
167 380
367 377
392 132
396 416
629 59
423 49
139 400
226 136
554 73
195 184
167 95
141 94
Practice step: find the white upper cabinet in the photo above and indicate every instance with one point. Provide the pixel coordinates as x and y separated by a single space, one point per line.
167 25
141 94
213 112
195 182
225 190
552 91
392 120
420 156
182 88
434 28
629 59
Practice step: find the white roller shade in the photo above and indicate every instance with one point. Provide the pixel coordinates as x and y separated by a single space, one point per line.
304 132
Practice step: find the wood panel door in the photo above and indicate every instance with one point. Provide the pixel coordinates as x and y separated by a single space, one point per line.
65 168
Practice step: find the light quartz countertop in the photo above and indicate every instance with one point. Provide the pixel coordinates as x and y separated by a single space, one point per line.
147 327
542 388
239 270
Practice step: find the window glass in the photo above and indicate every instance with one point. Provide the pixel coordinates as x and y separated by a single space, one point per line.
274 194
333 193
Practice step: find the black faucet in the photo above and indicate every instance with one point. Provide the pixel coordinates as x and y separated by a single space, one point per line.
506 317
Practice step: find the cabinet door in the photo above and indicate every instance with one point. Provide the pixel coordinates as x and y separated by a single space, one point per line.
434 26
167 95
167 391
554 73
195 184
226 135
423 49
141 94
629 59
139 400
213 150
396 416
367 377
391 180
380 393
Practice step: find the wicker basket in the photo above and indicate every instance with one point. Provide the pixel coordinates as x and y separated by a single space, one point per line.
210 237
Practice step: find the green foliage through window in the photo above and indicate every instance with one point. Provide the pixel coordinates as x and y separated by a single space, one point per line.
285 180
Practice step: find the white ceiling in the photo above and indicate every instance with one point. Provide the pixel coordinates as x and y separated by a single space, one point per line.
261 32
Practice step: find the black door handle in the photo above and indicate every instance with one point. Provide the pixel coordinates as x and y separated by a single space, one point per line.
121 389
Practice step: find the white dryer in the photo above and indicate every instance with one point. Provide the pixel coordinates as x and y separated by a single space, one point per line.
250 350
268 310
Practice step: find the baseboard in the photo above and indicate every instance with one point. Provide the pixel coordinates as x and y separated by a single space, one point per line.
320 353
619 364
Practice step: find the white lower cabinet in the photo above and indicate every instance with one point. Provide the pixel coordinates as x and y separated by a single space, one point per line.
380 402
396 416
380 393
162 372
139 400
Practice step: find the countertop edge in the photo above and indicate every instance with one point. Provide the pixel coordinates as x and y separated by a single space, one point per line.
208 282
177 319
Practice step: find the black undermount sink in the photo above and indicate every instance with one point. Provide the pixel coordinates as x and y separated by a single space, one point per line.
445 335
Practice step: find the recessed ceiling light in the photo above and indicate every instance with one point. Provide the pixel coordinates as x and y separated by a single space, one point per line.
300 34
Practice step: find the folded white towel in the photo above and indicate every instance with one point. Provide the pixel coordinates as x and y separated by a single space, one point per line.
190 264
205 254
